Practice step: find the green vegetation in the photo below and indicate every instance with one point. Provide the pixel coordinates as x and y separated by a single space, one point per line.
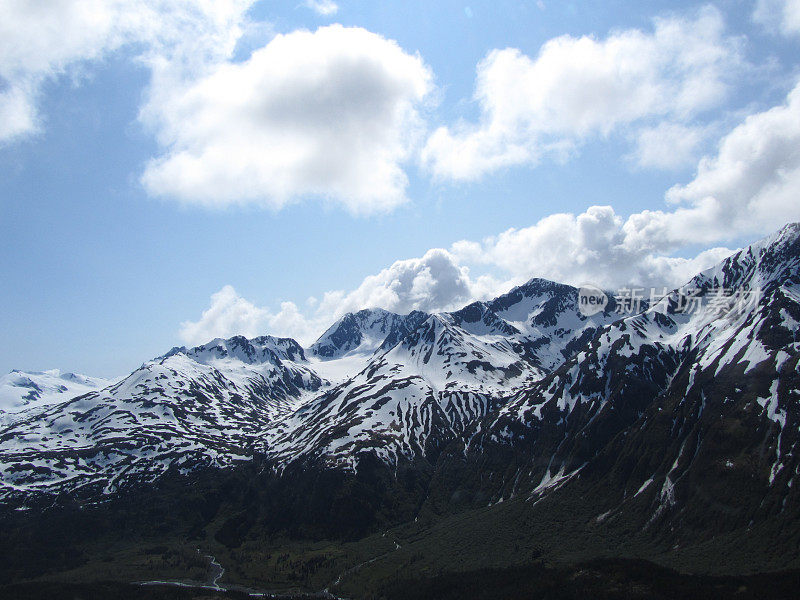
273 541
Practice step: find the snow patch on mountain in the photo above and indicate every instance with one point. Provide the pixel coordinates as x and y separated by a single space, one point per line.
403 387
26 391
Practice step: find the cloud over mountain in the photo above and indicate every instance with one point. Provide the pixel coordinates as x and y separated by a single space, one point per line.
751 185
434 282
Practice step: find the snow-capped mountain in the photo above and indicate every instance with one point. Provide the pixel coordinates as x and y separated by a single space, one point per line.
523 392
203 406
399 386
264 369
364 333
24 391
408 400
667 403
444 374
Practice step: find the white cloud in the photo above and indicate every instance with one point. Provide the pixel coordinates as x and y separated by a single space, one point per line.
228 315
17 111
43 40
781 15
667 145
590 247
751 186
579 87
431 283
333 113
326 8
330 113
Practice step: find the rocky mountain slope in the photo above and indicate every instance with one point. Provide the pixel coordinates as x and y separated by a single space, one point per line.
664 411
397 386
439 379
24 391
682 418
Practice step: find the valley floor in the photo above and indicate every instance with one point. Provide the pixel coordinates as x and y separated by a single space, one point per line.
500 552
609 579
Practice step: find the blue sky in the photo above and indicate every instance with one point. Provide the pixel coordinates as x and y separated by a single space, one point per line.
168 175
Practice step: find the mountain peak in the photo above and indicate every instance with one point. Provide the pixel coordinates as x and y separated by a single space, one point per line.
364 332
265 348
789 231
772 260
479 318
21 390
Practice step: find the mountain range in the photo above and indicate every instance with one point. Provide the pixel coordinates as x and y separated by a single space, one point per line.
396 386
671 432
23 391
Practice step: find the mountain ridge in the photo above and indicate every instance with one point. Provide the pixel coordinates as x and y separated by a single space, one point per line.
514 431
517 397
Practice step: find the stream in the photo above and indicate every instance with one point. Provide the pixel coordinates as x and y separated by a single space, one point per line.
216 571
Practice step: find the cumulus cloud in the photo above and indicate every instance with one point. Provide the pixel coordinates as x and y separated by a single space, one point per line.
431 283
581 87
330 113
43 40
228 315
17 111
780 15
750 186
590 247
326 8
